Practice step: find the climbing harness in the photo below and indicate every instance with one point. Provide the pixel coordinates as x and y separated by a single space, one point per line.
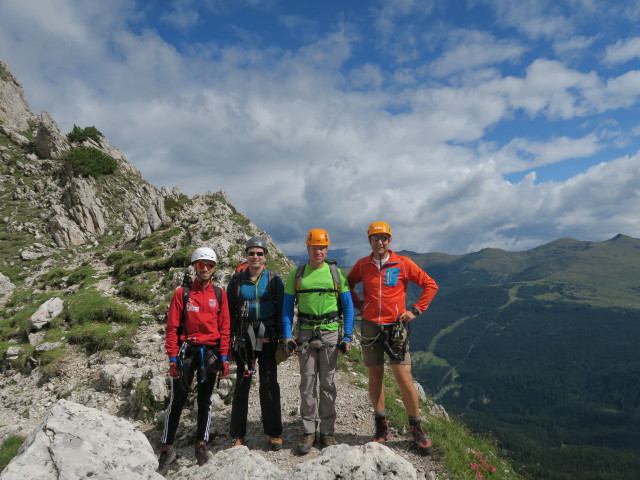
204 356
393 338
249 335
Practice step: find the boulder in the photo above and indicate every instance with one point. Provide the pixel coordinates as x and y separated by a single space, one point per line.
74 441
116 377
367 462
14 136
237 462
6 287
50 141
45 313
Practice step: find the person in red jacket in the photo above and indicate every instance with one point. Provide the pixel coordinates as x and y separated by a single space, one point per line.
197 340
385 276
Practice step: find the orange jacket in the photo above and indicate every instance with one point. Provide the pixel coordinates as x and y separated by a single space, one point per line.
385 289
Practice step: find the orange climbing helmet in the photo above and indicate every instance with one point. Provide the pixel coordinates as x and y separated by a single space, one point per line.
379 228
319 237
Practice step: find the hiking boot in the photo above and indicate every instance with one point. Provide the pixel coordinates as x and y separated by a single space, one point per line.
237 442
275 443
382 430
420 438
327 440
201 453
306 442
167 456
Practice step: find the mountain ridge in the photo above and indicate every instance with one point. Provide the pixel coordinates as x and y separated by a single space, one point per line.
600 273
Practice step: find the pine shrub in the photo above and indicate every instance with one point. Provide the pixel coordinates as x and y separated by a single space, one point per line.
89 161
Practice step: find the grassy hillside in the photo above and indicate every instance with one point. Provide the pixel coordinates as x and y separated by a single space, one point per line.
540 349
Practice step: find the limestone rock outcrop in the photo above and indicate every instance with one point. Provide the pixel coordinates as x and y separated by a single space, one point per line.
14 109
74 441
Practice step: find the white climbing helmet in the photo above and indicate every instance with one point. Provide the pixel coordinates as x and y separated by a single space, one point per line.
204 253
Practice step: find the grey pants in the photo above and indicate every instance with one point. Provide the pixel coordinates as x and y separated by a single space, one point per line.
318 361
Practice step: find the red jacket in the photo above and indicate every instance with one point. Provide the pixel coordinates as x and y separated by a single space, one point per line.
202 325
385 289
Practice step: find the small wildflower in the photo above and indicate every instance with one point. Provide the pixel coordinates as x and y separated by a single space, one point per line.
480 467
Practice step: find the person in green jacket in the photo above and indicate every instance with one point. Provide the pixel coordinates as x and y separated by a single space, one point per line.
323 297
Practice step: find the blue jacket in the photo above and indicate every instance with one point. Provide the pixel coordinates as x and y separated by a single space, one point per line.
261 302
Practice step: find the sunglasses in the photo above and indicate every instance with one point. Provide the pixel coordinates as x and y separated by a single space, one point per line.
254 254
379 238
202 265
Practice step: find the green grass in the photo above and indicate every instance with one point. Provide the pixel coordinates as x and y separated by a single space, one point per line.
137 288
90 306
172 206
457 447
50 361
100 323
9 449
120 259
19 308
96 337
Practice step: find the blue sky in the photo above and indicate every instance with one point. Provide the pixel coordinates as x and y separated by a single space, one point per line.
464 124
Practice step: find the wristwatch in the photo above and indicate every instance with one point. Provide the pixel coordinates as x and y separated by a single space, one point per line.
415 311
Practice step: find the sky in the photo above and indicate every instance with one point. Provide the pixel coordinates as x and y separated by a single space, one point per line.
464 124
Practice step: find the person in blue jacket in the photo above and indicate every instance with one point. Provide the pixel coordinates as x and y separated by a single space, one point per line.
255 306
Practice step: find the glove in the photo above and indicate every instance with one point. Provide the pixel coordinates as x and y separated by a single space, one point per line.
291 345
173 370
345 346
223 367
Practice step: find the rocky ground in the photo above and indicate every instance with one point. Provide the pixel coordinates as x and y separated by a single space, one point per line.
26 400
354 425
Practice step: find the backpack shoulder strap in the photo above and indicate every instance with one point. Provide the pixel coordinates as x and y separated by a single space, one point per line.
298 279
335 275
218 292
236 284
272 290
333 266
186 291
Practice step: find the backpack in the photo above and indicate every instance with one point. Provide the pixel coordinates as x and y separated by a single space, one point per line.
241 266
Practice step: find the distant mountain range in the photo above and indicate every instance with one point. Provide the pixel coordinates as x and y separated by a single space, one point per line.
540 348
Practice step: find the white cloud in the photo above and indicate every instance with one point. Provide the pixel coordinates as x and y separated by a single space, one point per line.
622 51
470 49
535 18
521 154
573 46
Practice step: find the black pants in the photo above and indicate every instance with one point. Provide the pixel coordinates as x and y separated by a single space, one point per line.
180 388
269 391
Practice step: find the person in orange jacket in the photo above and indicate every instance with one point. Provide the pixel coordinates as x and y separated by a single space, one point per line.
198 338
385 276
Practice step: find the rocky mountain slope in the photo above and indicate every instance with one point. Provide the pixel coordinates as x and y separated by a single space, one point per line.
90 254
